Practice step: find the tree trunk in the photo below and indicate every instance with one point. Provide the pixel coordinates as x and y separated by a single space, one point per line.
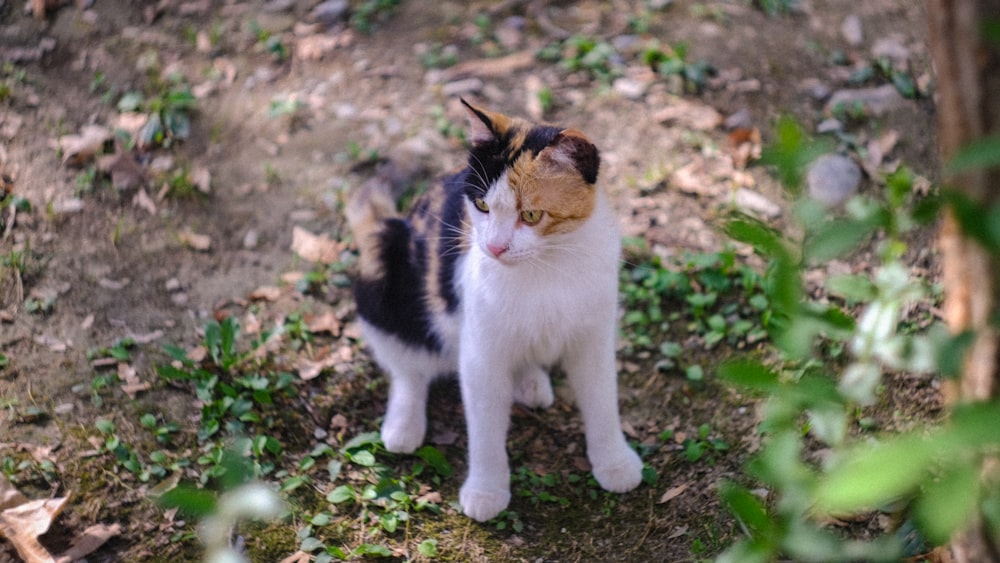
968 78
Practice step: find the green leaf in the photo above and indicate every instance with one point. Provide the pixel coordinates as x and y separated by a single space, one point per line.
977 155
948 503
434 458
762 238
341 494
750 374
874 474
311 544
389 521
852 287
105 425
130 101
695 372
748 509
836 238
428 548
363 439
189 500
370 549
363 458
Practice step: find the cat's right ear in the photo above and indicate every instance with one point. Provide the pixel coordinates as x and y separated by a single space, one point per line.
484 126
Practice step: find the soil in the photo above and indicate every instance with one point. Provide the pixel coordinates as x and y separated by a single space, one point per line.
102 263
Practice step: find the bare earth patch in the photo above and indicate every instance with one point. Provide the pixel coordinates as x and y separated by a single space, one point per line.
113 246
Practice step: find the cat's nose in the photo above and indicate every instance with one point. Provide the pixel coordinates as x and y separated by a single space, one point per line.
496 250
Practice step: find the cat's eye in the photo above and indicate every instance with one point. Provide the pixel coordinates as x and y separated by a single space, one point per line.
531 216
481 205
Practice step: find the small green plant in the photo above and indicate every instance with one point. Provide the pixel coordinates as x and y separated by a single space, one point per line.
597 58
672 61
168 109
810 393
776 7
437 55
711 296
703 445
369 13
118 351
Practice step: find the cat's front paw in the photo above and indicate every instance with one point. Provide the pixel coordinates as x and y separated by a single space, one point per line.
534 389
619 473
403 436
483 504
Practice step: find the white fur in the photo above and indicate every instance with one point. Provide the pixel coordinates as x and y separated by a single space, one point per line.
545 301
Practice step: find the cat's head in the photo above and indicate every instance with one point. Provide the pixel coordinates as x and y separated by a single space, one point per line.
531 185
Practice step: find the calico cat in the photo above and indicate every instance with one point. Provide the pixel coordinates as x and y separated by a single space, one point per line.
500 273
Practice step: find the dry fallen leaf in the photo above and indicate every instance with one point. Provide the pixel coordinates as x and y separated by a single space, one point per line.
131 384
297 557
86 543
202 179
194 240
126 173
315 248
315 47
22 525
9 495
672 493
326 322
80 149
266 293
310 369
693 115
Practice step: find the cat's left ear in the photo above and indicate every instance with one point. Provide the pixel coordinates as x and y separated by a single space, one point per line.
485 126
571 148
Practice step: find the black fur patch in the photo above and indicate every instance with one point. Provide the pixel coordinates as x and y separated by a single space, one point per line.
452 216
395 302
487 161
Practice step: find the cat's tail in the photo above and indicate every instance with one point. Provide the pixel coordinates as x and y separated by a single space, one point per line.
373 203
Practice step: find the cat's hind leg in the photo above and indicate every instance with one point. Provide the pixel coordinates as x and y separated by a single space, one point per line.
410 370
405 422
533 388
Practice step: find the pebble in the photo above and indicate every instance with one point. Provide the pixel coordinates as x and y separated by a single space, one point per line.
829 125
630 88
832 179
815 88
740 119
250 239
892 49
330 12
850 30
876 101
460 87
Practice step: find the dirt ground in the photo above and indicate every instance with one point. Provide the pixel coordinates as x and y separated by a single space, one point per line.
282 137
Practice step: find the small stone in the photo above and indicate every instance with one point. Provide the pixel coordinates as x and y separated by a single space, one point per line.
832 179
330 12
876 101
740 119
460 87
829 125
815 88
250 239
629 88
892 49
850 30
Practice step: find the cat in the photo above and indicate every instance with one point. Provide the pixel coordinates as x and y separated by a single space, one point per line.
500 273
